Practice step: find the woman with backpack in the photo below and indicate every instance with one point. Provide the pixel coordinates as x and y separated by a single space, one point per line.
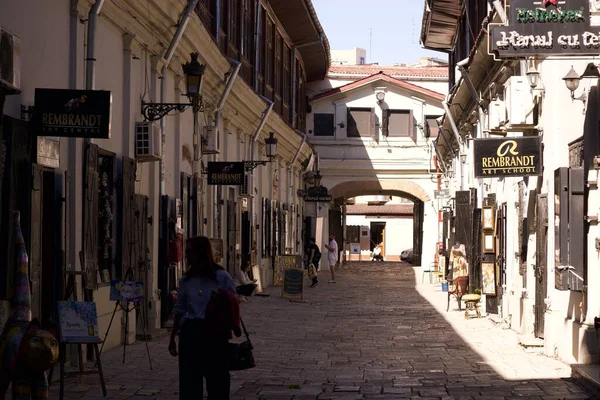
206 312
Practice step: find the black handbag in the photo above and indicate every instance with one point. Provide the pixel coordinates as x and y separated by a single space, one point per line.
240 354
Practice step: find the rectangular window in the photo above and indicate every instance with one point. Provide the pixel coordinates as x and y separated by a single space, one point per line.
233 32
362 60
287 53
270 53
278 63
324 125
399 123
248 29
431 125
359 122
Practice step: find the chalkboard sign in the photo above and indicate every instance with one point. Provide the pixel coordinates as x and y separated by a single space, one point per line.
282 263
293 283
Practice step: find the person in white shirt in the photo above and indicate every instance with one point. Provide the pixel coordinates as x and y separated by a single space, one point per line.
244 285
332 255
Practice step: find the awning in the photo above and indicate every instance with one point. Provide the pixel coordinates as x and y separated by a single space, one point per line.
440 24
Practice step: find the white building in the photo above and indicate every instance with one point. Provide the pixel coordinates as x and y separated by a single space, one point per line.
542 234
253 84
355 56
373 136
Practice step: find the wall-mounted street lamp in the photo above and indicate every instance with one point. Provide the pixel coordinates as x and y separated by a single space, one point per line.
270 149
318 178
533 77
194 72
572 80
463 158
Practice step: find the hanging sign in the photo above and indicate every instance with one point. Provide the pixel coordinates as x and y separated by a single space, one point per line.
72 113
317 194
226 173
516 156
441 194
545 27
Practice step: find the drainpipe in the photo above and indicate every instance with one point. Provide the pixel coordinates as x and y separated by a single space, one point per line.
91 44
299 149
498 7
228 87
452 123
218 22
255 136
257 45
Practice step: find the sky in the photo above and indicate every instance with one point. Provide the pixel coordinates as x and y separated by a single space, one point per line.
395 25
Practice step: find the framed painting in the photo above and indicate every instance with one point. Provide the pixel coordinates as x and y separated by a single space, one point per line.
489 244
217 245
488 278
489 218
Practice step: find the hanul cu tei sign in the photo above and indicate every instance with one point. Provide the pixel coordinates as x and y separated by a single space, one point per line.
226 173
317 193
545 27
72 113
517 156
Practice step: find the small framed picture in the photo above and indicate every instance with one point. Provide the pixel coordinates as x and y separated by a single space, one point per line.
217 245
488 272
489 218
489 244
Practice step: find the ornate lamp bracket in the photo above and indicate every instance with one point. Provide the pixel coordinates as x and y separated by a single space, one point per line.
156 111
251 165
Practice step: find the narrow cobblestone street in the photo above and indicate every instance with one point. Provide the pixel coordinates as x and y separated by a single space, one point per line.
378 333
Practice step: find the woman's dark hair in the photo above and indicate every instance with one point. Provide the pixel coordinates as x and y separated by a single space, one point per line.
204 264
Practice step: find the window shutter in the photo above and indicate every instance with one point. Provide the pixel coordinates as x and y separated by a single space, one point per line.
399 123
90 217
324 125
432 126
372 128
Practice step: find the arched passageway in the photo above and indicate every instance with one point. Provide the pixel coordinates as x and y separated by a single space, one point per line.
399 188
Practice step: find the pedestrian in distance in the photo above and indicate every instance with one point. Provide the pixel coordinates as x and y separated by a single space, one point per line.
245 286
314 258
332 255
206 312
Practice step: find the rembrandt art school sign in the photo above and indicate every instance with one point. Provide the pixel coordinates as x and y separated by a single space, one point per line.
226 173
508 157
72 113
548 27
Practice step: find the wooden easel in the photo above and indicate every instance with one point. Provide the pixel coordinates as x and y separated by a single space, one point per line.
71 294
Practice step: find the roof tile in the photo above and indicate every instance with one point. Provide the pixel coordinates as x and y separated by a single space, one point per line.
396 72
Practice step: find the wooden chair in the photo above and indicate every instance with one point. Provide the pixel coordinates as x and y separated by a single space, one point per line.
460 289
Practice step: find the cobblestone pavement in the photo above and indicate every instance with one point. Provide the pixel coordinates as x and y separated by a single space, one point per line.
378 333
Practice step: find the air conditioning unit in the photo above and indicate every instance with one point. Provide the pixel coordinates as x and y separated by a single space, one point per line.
246 188
148 145
211 135
10 60
496 114
519 102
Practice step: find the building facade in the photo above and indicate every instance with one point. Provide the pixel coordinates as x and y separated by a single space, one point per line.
112 209
517 146
372 128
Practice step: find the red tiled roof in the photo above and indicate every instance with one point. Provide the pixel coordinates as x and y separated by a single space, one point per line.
388 209
376 77
397 72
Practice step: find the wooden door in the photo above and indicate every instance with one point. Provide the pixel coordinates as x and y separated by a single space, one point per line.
35 239
541 276
231 236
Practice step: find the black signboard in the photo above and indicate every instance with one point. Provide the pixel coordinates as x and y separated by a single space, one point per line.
317 193
293 282
515 156
72 113
226 173
545 27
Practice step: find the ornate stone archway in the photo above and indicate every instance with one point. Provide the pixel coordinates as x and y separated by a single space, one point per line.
368 187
